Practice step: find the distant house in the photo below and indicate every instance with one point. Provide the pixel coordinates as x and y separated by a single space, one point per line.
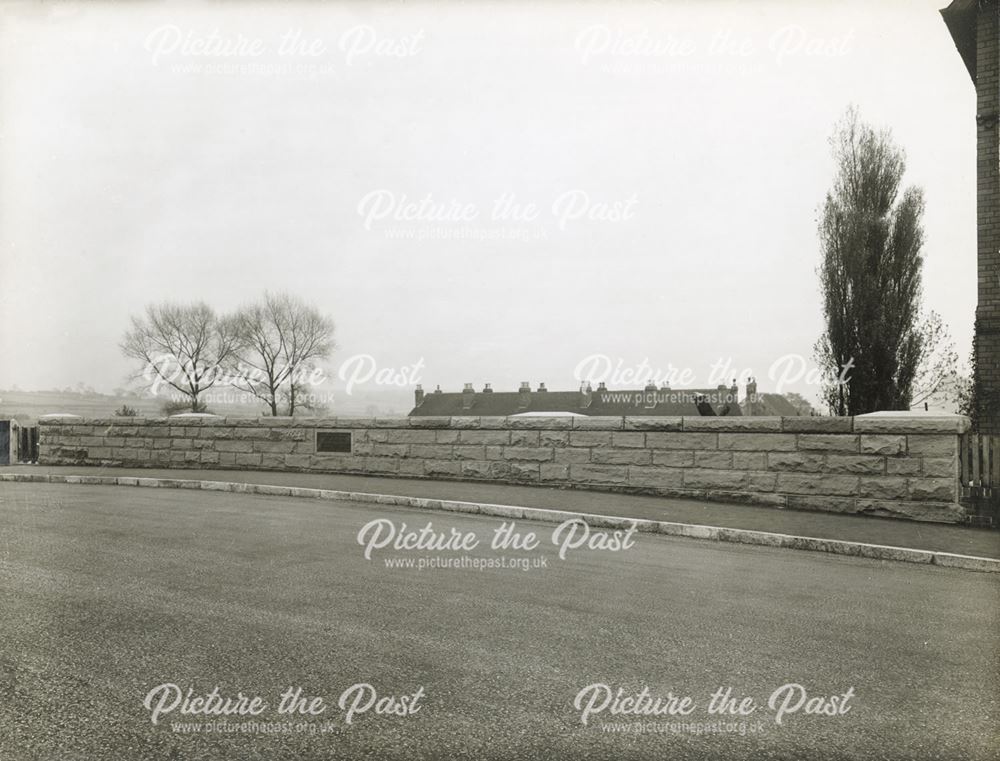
760 404
652 401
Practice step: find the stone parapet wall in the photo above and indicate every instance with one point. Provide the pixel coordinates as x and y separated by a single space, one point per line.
898 467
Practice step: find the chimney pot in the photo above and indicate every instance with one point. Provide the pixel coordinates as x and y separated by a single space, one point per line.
525 387
541 387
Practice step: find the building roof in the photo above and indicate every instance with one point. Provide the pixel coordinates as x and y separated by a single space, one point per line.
770 404
651 402
960 18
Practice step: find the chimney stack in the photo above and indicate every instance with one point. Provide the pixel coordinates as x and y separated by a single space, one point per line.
541 387
524 396
468 396
487 389
418 396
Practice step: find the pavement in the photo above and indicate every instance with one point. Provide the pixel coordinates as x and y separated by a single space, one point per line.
960 540
109 592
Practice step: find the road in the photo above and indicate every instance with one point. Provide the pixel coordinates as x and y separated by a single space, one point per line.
109 592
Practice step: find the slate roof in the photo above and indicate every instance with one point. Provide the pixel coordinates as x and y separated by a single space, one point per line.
658 402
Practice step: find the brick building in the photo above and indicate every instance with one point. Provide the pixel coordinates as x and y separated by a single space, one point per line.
975 28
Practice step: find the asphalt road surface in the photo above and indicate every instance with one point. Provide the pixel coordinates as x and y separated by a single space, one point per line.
108 593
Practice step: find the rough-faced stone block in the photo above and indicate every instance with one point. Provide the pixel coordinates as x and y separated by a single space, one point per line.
934 489
860 464
601 474
822 503
714 479
590 438
570 455
469 453
450 436
407 436
532 454
902 466
248 459
595 422
490 438
429 422
541 423
390 450
431 451
758 442
548 471
653 477
817 424
630 440
733 424
883 487
524 438
713 459
828 442
807 483
883 444
939 467
761 481
700 441
447 468
750 460
673 458
605 456
802 462
553 438
640 423
933 446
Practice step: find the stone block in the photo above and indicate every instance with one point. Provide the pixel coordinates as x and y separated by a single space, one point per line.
553 472
595 422
605 456
446 468
714 479
902 466
672 440
673 458
450 436
758 442
602 474
431 451
938 467
590 438
407 436
541 423
817 424
570 456
490 438
629 440
656 477
934 489
936 512
917 424
933 446
800 462
807 483
469 453
714 459
860 464
822 503
750 460
824 442
761 481
532 454
248 459
649 423
234 446
524 438
733 424
389 450
883 444
554 438
883 487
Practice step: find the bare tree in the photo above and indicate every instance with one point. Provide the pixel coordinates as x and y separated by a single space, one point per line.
870 274
279 340
182 346
937 378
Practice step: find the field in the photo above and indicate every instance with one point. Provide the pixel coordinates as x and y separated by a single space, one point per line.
28 406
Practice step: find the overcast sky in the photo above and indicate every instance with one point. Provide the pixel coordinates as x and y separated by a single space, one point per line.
675 155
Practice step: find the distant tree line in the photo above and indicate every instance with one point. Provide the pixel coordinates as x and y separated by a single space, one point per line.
268 349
